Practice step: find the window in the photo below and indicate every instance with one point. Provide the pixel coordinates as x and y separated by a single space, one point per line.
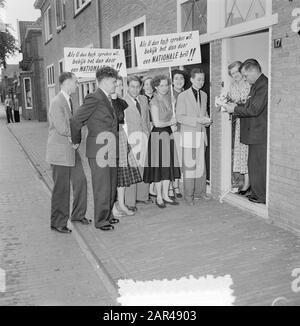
239 11
61 66
79 5
116 42
60 9
50 76
86 88
127 48
194 16
48 24
138 31
124 39
27 93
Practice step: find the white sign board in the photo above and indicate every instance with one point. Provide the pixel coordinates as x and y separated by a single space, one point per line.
84 62
168 50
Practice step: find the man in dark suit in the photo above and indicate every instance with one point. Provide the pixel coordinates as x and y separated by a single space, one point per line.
65 160
254 127
101 145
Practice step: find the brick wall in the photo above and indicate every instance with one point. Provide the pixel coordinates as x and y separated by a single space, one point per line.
80 31
161 16
285 120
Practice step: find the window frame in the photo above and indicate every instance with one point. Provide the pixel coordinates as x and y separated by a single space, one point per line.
25 95
61 4
81 7
216 22
50 73
48 24
62 61
131 26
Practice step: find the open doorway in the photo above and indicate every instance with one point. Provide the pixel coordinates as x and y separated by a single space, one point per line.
254 45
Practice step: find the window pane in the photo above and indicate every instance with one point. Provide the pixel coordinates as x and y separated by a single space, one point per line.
127 48
194 16
138 31
58 8
49 21
239 11
63 11
116 42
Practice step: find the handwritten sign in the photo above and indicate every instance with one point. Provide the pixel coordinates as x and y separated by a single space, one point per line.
84 62
158 51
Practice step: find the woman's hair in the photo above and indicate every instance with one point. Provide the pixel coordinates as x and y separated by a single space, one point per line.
233 65
157 80
178 72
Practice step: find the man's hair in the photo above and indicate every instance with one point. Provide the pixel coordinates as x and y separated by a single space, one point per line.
233 65
157 80
196 71
106 72
134 78
250 64
64 76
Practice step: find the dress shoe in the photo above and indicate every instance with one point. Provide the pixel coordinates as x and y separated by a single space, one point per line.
114 221
83 221
107 227
132 208
163 205
256 200
173 202
178 193
243 192
62 229
145 202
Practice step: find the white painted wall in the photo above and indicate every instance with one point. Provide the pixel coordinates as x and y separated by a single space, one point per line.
251 46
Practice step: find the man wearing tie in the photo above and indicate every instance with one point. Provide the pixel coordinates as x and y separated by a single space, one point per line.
191 114
254 127
101 119
137 124
65 160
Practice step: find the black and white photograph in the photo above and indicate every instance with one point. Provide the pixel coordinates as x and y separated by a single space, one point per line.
149 155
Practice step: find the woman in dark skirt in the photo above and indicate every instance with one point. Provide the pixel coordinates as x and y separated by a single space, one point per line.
128 172
162 165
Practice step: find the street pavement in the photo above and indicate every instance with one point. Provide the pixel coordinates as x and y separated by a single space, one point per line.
42 267
209 238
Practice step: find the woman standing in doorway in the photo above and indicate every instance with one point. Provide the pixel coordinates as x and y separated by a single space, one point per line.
239 92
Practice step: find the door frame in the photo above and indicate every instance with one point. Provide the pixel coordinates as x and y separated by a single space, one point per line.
226 148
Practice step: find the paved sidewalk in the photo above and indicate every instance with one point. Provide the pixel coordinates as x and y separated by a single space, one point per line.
42 267
210 238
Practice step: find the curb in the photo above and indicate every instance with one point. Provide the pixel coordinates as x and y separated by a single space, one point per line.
98 266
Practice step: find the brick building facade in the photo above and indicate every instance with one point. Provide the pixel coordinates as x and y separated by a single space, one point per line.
32 90
229 30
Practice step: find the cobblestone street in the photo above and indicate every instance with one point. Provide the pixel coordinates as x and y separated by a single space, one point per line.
42 267
210 238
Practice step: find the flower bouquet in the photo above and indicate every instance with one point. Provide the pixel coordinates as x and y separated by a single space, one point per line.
222 100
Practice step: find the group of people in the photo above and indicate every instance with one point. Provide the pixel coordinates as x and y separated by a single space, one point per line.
138 146
12 109
141 142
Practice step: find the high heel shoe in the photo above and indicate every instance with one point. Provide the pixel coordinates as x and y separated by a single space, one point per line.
173 202
177 194
163 205
243 192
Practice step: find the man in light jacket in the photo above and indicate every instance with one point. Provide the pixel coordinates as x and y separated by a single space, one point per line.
65 160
